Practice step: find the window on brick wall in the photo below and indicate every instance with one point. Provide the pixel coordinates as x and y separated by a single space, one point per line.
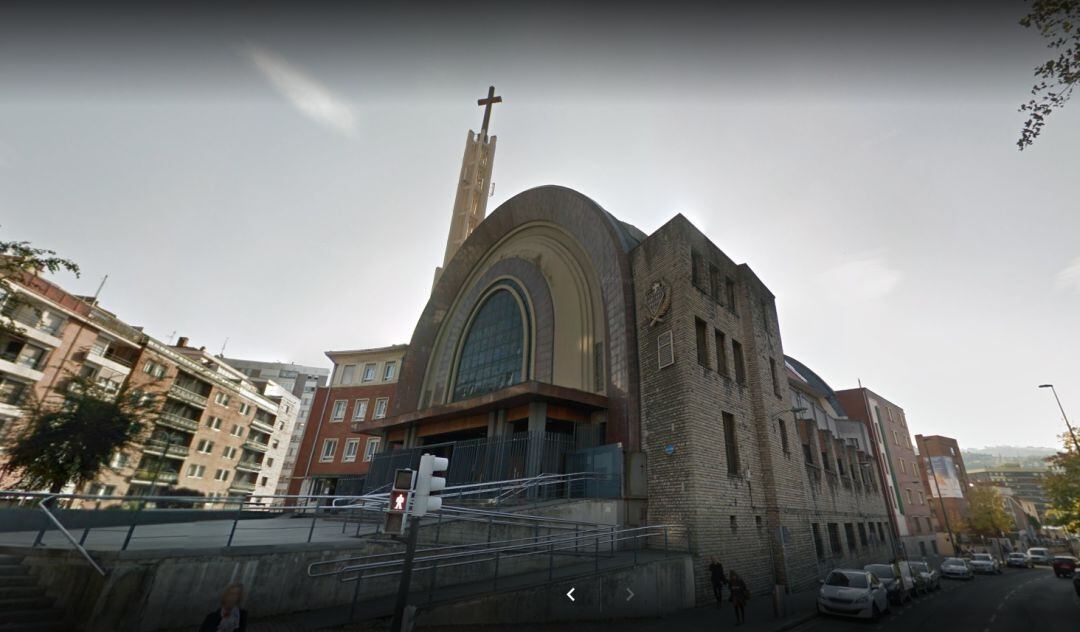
734 524
775 377
808 453
716 283
721 351
862 534
731 446
665 350
729 293
840 466
849 531
819 548
740 366
701 336
696 267
782 425
834 539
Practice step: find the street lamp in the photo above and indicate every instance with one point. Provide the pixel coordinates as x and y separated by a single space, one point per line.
1076 444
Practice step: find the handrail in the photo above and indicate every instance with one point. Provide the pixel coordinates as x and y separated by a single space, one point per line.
78 547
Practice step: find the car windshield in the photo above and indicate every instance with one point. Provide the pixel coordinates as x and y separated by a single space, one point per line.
953 561
849 580
1036 551
1064 558
982 557
883 571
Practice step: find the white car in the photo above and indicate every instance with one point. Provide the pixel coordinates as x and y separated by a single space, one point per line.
1039 556
852 593
985 563
956 568
1018 560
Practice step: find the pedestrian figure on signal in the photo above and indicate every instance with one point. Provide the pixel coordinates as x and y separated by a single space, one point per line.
716 576
739 595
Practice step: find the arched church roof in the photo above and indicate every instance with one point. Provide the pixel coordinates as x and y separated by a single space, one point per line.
814 381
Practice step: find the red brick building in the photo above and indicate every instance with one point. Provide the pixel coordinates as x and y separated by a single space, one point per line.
335 453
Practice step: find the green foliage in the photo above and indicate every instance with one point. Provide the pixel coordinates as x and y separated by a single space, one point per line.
1056 21
988 515
1062 487
72 440
18 258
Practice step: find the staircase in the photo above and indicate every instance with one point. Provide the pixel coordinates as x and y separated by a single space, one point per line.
23 603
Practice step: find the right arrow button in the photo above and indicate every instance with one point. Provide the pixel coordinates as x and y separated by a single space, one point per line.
629 594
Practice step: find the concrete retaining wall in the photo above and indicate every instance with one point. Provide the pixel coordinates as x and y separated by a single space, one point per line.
659 587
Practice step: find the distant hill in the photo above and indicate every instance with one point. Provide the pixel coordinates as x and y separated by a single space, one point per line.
996 456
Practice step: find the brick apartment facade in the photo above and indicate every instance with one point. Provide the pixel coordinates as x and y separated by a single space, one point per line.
335 453
941 460
216 433
899 467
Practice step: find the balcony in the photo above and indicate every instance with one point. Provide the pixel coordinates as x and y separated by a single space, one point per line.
105 358
255 446
242 486
249 466
148 476
176 422
159 447
20 370
262 426
187 396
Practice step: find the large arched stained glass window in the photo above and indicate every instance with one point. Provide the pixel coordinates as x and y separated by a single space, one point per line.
493 355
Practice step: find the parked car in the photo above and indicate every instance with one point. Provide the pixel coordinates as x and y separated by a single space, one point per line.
927 576
1039 555
1064 565
853 593
1018 560
956 568
894 583
985 563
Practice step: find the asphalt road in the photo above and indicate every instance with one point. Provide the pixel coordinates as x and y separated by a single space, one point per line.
1019 600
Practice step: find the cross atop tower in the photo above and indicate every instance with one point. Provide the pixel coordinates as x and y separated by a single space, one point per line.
487 103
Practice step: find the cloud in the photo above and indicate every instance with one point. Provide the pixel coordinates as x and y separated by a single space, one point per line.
313 99
1068 278
867 277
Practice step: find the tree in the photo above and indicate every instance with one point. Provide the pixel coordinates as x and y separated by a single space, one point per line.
988 516
18 259
1062 487
72 440
1059 22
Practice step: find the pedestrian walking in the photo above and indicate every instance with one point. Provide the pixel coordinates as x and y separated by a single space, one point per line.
716 576
739 595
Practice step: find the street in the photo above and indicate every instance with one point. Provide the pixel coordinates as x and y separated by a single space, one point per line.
1012 601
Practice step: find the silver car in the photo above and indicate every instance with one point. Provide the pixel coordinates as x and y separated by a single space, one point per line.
985 563
1018 560
929 577
1039 555
956 568
852 593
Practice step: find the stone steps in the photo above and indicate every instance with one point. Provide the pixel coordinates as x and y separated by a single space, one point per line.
24 605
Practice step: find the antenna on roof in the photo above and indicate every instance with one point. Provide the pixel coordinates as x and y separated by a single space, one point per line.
98 292
222 354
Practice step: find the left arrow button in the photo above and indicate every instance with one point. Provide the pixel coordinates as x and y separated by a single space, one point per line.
570 594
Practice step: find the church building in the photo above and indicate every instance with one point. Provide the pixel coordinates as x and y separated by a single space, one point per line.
572 339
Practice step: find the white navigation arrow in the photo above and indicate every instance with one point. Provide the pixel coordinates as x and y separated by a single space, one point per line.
629 594
570 594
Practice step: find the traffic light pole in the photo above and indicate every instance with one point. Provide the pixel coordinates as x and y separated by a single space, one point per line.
406 576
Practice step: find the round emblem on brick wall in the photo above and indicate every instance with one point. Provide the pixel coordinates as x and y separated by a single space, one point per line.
657 302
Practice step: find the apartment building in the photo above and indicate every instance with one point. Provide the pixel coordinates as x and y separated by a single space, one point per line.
216 434
298 380
1026 483
335 452
899 466
945 482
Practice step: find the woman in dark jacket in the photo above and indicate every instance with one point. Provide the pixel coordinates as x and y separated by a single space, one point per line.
230 617
739 594
716 576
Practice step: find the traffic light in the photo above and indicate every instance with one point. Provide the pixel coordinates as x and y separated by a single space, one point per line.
398 505
426 485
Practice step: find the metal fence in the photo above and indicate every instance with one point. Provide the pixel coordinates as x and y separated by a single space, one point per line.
507 457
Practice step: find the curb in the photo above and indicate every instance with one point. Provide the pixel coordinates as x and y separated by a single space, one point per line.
793 623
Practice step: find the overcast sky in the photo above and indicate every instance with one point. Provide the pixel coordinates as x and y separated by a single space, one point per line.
286 181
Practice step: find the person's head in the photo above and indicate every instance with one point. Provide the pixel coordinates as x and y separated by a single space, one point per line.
734 576
232 595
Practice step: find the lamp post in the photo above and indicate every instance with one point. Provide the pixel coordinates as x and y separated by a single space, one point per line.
1076 444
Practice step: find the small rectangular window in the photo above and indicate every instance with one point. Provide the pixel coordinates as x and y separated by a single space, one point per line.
729 291
370 448
720 340
849 531
348 373
388 371
339 410
819 548
381 404
696 269
716 287
329 448
731 443
775 377
351 447
665 350
740 366
701 335
834 539
783 435
369 372
360 410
